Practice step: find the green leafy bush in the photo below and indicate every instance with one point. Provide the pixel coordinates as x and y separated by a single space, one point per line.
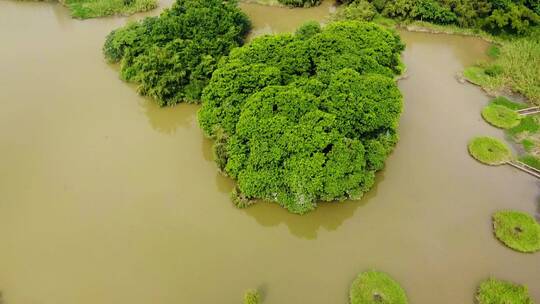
494 291
517 230
306 117
489 151
172 57
372 287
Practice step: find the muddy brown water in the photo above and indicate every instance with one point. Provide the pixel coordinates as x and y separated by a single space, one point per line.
106 198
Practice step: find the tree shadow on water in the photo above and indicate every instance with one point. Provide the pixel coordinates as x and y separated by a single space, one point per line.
167 120
328 215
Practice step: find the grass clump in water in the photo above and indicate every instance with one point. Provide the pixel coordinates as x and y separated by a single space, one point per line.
501 116
495 291
252 296
376 287
84 9
517 230
531 160
489 151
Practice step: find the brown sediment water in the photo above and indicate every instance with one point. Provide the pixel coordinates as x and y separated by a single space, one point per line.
106 198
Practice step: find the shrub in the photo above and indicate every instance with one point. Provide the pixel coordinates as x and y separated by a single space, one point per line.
307 117
171 57
372 287
494 291
252 297
517 230
501 116
489 151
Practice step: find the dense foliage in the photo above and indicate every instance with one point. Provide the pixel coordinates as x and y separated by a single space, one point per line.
99 8
517 230
172 56
306 117
373 287
498 16
494 291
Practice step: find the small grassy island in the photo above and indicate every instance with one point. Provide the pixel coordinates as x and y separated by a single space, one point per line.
171 57
306 117
495 291
501 116
517 230
84 9
372 287
489 151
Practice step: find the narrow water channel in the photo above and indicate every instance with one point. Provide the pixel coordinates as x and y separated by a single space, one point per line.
105 198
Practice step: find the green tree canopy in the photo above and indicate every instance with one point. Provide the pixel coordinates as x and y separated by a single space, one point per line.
306 117
171 57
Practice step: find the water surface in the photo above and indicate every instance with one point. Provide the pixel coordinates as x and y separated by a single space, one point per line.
106 198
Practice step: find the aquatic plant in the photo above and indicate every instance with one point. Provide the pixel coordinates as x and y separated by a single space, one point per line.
500 116
300 3
306 117
372 287
489 151
493 291
252 296
517 230
84 9
171 57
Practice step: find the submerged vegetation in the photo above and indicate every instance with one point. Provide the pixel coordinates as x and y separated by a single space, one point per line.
494 291
372 287
171 57
306 117
84 9
489 151
517 230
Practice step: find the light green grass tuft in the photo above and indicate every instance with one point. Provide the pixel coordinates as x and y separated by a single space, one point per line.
501 116
489 151
517 230
495 291
252 296
374 287
528 125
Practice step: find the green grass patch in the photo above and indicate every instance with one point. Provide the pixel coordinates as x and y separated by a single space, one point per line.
376 287
494 51
531 160
528 124
252 296
489 151
494 291
505 102
528 145
84 9
517 230
501 116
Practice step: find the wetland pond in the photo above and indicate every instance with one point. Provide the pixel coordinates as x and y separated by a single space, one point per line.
106 198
